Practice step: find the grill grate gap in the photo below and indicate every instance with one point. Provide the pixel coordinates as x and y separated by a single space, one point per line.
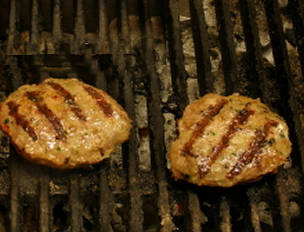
90 9
59 214
68 9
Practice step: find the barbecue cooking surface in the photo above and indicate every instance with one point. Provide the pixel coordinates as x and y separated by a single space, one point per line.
154 58
227 140
64 123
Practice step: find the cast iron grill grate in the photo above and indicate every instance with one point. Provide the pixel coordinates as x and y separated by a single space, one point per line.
154 57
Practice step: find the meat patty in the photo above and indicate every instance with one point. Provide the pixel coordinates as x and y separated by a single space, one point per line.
227 140
63 123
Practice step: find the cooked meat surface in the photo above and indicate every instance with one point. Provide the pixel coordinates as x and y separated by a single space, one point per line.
227 140
63 123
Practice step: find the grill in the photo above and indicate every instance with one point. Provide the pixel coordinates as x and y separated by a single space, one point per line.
154 57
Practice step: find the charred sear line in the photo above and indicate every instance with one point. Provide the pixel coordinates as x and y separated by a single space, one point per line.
211 111
204 164
254 149
35 97
69 99
20 119
104 106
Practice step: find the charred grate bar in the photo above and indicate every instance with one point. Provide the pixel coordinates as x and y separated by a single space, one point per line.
211 46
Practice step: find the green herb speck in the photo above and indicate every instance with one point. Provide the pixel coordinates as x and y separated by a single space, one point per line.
212 133
6 121
69 101
234 154
58 149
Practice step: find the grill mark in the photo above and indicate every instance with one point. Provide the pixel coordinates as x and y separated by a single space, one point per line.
212 111
35 97
20 120
204 164
69 99
103 105
254 149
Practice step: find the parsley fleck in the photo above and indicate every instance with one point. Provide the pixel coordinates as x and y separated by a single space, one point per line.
212 133
6 121
69 101
234 154
58 149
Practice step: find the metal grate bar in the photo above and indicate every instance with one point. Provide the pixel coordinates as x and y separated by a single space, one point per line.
14 200
12 27
176 53
34 28
125 31
134 23
227 45
197 215
79 28
44 213
201 42
277 41
75 203
106 205
57 33
225 215
103 33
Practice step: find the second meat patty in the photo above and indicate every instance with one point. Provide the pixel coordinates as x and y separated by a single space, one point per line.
227 140
63 123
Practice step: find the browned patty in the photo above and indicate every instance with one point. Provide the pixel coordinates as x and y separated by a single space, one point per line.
63 123
227 140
